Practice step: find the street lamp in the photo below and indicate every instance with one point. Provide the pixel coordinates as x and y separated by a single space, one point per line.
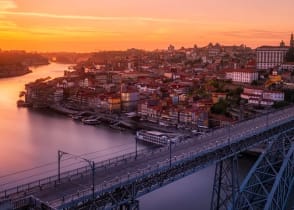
267 113
170 142
229 128
90 162
136 147
92 166
60 154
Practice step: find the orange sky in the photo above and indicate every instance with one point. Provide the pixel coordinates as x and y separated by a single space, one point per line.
91 25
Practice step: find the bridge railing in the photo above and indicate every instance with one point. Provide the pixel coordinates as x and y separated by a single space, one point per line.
71 174
52 181
31 202
147 171
112 184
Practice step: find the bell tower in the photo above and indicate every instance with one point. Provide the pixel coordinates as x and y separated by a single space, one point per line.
292 41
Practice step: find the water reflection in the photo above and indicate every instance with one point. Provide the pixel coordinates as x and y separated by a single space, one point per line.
29 138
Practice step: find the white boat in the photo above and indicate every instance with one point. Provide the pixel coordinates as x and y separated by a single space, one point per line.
154 137
91 121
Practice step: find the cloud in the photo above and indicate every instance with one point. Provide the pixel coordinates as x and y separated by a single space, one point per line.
254 34
7 4
6 25
97 18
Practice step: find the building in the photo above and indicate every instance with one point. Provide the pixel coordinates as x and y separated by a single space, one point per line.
242 75
273 78
129 100
262 97
271 56
287 66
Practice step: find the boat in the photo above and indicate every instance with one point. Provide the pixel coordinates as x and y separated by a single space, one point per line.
91 122
77 117
117 127
81 116
154 137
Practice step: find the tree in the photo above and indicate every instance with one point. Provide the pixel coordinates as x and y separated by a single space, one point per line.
218 85
290 55
280 104
220 107
289 95
254 83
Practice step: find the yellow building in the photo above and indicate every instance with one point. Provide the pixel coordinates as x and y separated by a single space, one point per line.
114 103
274 78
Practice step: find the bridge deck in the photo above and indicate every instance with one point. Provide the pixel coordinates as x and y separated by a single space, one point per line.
129 167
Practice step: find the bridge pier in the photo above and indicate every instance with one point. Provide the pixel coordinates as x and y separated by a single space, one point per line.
226 184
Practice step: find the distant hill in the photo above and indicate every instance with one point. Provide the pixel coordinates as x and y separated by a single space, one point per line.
16 63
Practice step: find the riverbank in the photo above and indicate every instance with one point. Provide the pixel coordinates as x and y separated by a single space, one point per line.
14 73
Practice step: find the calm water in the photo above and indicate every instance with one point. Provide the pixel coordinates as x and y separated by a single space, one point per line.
31 138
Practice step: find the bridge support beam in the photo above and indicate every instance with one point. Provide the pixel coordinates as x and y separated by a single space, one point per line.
226 183
283 185
132 205
269 182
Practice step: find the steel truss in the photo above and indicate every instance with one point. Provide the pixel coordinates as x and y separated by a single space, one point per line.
226 183
269 182
125 193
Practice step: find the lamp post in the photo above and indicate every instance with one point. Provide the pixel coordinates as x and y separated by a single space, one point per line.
60 154
170 142
92 166
90 162
136 147
267 112
229 131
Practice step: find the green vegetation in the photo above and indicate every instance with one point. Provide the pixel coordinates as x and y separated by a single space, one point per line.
289 95
254 83
220 107
290 55
234 96
280 104
218 85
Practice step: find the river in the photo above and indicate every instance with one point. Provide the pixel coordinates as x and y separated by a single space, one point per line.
29 138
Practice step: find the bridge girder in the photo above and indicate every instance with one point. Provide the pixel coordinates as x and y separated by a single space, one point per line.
119 192
226 183
124 193
269 182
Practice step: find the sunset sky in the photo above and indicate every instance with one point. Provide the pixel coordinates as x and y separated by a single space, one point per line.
92 25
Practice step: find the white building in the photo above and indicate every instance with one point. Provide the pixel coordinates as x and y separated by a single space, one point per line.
242 75
273 95
262 97
272 56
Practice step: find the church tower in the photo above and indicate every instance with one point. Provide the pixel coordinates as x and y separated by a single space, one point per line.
292 41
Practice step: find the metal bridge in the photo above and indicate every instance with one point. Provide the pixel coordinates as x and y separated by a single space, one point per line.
118 182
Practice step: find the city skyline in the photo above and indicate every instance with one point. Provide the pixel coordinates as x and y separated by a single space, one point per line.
114 25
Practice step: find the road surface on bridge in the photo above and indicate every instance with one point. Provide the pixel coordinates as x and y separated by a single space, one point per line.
130 167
